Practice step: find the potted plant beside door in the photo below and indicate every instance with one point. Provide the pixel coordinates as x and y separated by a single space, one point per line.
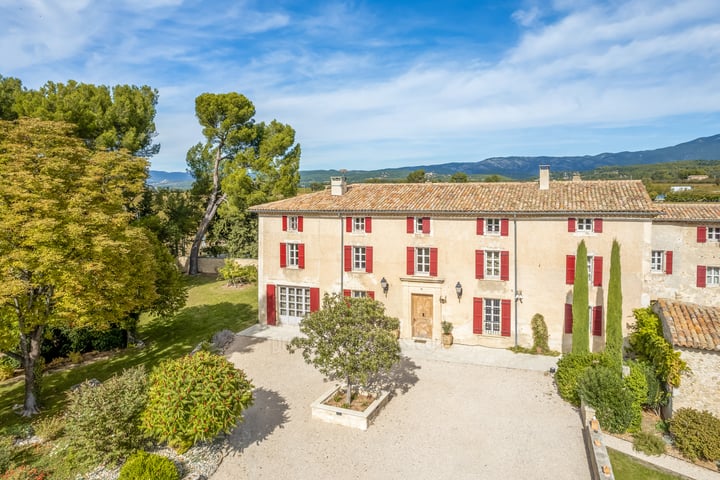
447 337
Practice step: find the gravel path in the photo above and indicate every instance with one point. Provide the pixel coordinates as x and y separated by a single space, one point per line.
452 421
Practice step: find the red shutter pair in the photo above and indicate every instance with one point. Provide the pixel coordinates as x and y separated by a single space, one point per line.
410 261
504 265
410 225
570 270
271 302
349 224
370 293
597 225
299 223
504 227
348 260
478 315
301 255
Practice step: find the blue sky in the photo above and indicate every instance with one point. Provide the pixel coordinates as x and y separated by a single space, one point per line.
374 84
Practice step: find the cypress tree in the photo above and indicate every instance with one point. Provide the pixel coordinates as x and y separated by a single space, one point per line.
613 331
581 316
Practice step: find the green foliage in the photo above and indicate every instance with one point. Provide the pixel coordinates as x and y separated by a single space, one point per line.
60 341
628 467
648 443
103 421
637 384
696 433
24 472
540 333
649 344
7 452
447 327
237 274
570 368
459 177
142 465
195 398
603 388
613 331
417 176
349 338
49 427
581 316
8 365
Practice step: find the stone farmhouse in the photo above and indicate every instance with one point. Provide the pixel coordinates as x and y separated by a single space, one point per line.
484 256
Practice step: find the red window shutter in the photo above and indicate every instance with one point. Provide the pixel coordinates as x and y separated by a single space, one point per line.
283 255
426 224
410 224
410 260
270 302
433 262
504 227
668 262
505 318
477 315
300 223
569 269
597 271
701 276
347 260
598 225
348 224
368 224
597 323
701 234
346 293
371 294
301 255
368 259
314 299
568 318
479 264
284 223
504 265
480 227
571 224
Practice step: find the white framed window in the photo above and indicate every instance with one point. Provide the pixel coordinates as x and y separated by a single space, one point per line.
713 234
422 261
418 224
292 223
492 226
359 259
293 254
358 294
358 224
492 264
657 261
590 264
712 276
584 225
293 303
491 316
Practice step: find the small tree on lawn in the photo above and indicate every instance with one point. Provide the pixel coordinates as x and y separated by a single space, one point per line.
350 339
580 332
614 338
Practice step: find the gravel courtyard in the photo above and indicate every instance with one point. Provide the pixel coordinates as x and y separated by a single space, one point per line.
448 420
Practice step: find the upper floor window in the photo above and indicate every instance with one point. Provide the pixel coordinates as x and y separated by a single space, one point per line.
713 234
292 223
713 275
492 226
293 254
358 224
657 261
359 259
584 225
422 261
492 264
418 225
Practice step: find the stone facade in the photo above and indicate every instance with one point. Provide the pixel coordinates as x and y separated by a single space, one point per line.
700 388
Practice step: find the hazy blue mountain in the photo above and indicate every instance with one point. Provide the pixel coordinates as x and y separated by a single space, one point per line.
705 148
178 180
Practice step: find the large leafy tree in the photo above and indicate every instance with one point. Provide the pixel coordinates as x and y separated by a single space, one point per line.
581 315
69 254
349 339
613 333
242 163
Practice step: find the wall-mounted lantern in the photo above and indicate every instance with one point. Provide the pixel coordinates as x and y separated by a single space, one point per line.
385 285
458 290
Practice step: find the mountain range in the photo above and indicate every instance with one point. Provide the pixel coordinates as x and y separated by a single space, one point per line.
514 167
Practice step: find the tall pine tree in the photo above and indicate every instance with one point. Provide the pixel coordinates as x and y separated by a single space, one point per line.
581 316
613 333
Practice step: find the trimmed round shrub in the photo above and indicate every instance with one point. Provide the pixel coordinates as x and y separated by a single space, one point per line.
195 398
696 433
604 390
570 368
142 466
540 333
648 443
103 422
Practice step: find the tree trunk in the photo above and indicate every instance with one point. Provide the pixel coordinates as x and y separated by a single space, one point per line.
349 392
30 350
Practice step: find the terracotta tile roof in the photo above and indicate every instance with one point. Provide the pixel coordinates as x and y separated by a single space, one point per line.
689 212
690 325
608 197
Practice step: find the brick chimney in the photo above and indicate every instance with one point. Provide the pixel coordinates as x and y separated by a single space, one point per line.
544 177
337 186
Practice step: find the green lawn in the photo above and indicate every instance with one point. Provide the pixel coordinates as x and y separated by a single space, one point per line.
210 307
626 467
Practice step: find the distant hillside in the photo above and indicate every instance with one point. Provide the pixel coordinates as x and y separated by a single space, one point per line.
177 180
705 148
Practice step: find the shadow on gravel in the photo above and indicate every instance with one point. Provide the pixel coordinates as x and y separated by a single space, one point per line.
243 344
399 379
267 413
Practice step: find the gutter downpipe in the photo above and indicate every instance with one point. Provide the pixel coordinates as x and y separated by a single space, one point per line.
342 253
515 262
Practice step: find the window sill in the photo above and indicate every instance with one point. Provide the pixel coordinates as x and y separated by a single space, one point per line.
422 279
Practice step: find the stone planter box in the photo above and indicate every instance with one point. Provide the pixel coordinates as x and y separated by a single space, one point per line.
344 416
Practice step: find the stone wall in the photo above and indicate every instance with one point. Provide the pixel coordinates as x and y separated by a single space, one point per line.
700 388
210 265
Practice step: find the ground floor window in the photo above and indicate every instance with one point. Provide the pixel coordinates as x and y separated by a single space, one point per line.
293 304
491 317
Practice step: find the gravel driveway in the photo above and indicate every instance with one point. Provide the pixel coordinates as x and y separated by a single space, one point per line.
448 420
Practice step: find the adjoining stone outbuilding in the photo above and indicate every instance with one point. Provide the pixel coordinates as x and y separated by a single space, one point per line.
694 330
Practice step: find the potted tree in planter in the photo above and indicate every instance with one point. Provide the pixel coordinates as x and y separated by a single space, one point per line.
447 337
